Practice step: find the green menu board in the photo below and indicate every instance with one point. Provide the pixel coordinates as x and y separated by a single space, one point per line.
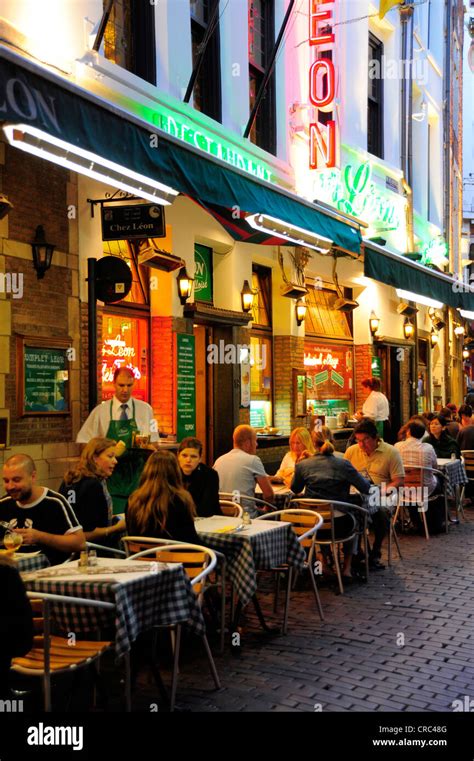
186 386
46 376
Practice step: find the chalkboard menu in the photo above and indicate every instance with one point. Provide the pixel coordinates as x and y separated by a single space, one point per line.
186 386
43 373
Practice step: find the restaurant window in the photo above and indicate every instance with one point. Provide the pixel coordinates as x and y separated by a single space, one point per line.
129 38
322 319
261 346
125 344
261 40
207 87
375 98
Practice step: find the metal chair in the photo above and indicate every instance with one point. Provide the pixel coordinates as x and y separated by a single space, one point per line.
305 523
330 510
468 457
230 509
198 563
414 493
260 505
52 655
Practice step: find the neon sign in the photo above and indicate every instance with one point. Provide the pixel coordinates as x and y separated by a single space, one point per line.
353 191
435 252
322 75
310 360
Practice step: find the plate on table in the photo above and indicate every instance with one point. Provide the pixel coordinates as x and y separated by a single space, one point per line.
218 524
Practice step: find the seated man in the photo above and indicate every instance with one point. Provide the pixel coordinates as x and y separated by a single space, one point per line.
240 469
382 464
43 518
201 481
16 623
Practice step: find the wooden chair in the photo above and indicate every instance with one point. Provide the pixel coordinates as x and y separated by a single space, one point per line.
198 563
414 493
305 524
52 655
260 505
230 509
330 510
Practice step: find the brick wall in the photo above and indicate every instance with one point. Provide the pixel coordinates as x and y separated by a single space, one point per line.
363 369
85 358
37 190
288 354
163 373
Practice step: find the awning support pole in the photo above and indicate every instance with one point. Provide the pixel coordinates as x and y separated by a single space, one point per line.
92 331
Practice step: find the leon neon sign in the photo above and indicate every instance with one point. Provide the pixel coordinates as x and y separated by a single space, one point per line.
322 89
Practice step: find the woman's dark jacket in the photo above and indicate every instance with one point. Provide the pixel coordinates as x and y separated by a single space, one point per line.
203 485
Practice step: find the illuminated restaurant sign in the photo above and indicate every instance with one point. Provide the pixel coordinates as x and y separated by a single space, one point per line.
328 371
124 344
322 88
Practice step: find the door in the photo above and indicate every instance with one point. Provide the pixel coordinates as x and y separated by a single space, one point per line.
223 395
203 424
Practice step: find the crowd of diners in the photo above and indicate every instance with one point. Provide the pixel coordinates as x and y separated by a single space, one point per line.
174 489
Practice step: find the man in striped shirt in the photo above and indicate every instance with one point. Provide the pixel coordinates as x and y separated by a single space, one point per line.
43 518
415 452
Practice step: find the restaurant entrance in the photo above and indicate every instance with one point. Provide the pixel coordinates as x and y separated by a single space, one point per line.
394 362
214 392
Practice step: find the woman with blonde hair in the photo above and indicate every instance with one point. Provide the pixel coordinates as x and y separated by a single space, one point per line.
161 507
301 446
85 488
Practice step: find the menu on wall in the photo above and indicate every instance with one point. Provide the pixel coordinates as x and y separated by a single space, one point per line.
45 375
186 386
329 373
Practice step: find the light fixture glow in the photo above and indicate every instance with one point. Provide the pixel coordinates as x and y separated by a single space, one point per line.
409 296
374 323
39 143
408 329
288 232
434 338
185 284
300 311
466 353
247 296
459 330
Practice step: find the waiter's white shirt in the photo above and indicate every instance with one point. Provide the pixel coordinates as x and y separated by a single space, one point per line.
376 406
97 424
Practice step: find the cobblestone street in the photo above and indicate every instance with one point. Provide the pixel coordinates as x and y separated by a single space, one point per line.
404 642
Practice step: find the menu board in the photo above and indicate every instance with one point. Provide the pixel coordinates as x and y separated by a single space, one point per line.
186 386
44 377
329 371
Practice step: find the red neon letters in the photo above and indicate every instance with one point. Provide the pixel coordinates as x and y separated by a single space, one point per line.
322 75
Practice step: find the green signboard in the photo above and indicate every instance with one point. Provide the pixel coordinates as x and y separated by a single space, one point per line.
376 367
203 273
45 374
186 386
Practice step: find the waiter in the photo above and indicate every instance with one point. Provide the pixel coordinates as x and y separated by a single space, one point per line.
119 419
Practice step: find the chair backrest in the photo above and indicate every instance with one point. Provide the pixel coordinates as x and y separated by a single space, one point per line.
305 523
136 544
468 456
230 509
198 561
330 510
414 475
256 502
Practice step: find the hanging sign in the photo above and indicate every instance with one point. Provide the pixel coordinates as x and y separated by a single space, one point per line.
322 88
133 221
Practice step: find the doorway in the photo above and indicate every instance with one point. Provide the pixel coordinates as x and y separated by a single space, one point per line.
394 361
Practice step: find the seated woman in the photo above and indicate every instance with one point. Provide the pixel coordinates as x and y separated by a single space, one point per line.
85 489
328 435
301 446
161 507
16 623
201 481
443 444
325 476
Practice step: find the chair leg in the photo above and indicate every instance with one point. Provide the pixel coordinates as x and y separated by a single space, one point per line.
423 513
223 583
212 665
446 512
47 692
396 541
277 592
174 682
316 593
335 552
287 599
390 544
128 683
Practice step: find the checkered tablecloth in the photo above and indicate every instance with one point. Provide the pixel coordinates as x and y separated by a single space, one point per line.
455 474
245 554
31 563
148 599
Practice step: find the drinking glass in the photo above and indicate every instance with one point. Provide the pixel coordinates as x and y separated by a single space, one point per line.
12 540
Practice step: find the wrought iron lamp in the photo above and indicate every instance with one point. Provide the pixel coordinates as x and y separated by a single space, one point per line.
247 296
300 311
408 329
42 252
185 284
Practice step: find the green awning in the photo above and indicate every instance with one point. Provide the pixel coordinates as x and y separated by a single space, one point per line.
391 268
34 96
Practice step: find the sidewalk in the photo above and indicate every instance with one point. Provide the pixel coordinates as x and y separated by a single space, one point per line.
402 642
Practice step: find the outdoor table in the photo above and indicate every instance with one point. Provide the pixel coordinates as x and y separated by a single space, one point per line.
30 561
258 546
282 495
456 477
146 594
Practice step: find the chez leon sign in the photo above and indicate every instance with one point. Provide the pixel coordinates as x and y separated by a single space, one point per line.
322 87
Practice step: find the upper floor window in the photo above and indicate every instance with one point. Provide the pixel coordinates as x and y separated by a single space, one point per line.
129 38
375 98
261 40
207 88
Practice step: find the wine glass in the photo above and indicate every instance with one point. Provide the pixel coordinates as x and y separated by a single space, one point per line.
12 540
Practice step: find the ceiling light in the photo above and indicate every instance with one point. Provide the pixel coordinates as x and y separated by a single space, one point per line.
70 156
409 296
289 232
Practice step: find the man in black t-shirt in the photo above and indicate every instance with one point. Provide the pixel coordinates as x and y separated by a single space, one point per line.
43 517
